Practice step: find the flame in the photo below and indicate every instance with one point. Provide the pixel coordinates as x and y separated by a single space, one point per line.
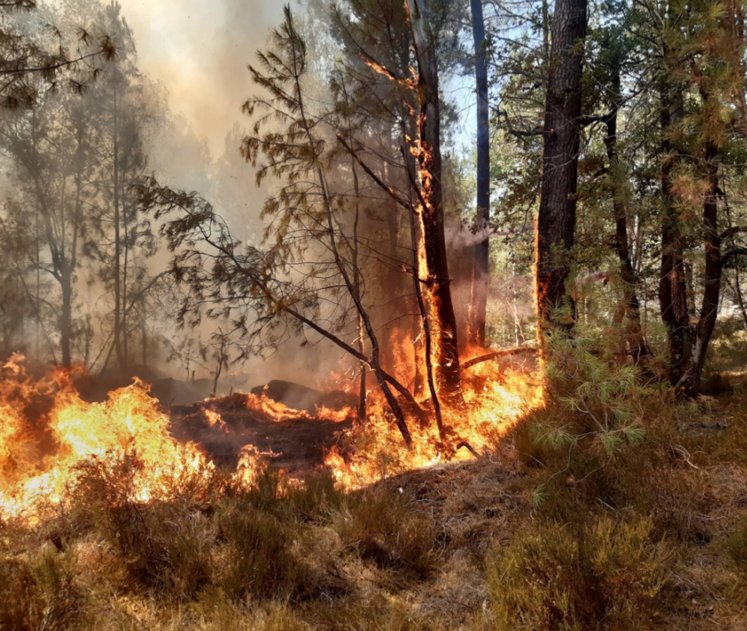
495 400
129 425
215 420
41 457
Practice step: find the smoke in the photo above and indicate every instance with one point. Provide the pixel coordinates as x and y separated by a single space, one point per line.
199 51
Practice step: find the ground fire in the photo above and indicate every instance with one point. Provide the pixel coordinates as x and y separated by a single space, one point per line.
49 432
373 315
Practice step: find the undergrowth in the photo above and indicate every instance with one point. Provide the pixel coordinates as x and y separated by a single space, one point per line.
615 507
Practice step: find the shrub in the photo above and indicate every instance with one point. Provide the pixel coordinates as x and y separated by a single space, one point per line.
605 575
314 499
736 547
311 500
54 572
164 546
383 527
258 559
21 605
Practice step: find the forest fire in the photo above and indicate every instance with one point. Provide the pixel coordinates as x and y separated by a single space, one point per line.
39 460
50 434
495 398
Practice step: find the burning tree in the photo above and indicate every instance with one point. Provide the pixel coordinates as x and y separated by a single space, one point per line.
310 270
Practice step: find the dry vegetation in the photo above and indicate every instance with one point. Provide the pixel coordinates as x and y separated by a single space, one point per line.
650 536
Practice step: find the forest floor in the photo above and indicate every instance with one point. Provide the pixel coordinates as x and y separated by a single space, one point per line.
653 537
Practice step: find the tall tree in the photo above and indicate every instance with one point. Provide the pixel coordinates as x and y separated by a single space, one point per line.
52 148
556 220
481 274
433 267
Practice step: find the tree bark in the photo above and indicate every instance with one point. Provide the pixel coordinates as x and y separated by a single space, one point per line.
672 285
689 383
433 269
66 317
638 346
117 240
357 288
740 299
556 220
481 273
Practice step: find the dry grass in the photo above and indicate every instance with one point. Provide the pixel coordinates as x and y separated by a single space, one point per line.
607 574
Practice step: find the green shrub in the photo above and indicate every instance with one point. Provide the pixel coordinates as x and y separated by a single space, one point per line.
605 575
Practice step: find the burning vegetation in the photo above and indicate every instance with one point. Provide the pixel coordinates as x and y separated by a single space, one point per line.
530 362
51 436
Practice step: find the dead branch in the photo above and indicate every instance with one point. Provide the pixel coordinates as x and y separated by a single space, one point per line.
496 354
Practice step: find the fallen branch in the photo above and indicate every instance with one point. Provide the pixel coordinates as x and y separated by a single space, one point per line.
495 354
468 447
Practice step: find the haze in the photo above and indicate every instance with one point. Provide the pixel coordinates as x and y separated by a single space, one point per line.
199 50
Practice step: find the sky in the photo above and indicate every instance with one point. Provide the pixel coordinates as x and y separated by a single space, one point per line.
199 49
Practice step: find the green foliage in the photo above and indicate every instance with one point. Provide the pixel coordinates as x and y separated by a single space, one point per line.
597 393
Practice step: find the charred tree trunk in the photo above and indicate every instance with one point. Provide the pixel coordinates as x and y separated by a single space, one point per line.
221 362
66 316
638 347
672 284
556 221
357 290
433 268
415 240
480 277
117 241
125 267
144 332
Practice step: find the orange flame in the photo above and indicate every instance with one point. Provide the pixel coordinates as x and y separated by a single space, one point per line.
495 400
128 424
39 459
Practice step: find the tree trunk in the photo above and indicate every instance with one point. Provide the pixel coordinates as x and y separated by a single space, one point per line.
117 242
125 266
433 269
672 285
690 382
415 239
738 294
357 289
144 333
66 317
638 347
556 221
480 277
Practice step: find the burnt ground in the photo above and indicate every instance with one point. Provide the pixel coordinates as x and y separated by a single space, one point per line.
297 436
298 439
